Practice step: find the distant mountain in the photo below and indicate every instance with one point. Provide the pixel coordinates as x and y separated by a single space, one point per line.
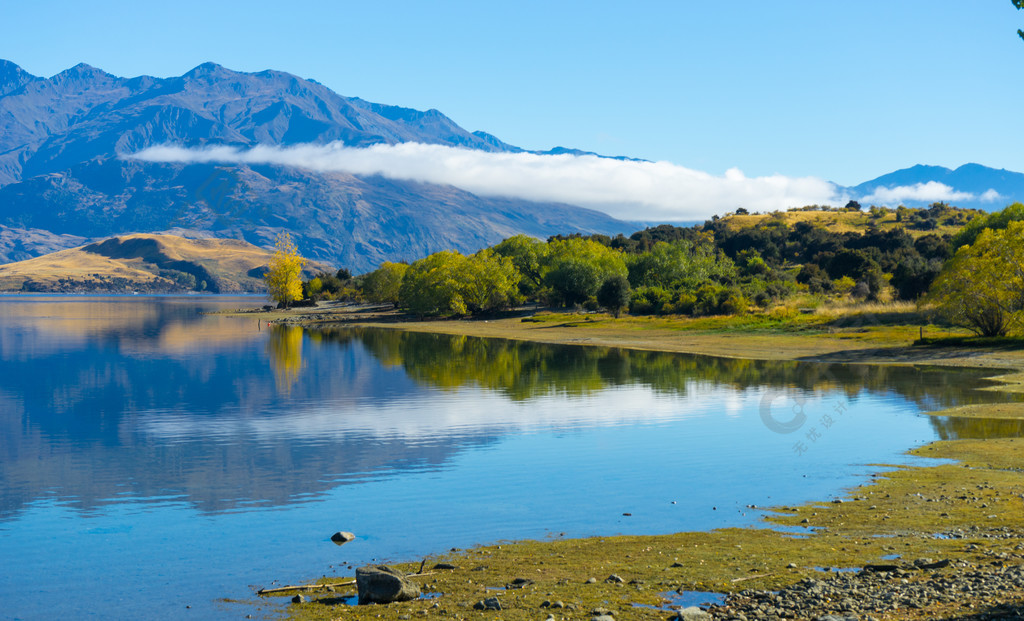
60 174
971 185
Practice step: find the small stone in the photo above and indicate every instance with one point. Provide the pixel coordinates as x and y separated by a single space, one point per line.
791 566
558 604
298 599
591 581
614 578
342 537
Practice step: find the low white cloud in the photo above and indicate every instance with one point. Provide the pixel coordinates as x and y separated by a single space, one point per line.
630 190
930 192
991 196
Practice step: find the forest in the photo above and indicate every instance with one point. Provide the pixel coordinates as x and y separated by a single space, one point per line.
960 261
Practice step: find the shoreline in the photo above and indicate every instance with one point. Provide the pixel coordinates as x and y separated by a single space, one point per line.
966 510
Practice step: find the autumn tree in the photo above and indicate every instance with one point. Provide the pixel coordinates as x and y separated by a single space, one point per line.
283 276
982 286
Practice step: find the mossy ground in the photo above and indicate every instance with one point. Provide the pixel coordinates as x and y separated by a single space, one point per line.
975 493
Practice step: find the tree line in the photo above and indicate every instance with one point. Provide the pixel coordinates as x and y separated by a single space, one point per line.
721 267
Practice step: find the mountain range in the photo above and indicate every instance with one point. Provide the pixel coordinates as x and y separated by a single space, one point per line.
64 181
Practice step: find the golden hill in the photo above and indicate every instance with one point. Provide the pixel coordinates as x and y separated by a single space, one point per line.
146 263
916 222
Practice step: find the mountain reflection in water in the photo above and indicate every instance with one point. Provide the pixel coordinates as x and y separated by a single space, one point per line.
158 398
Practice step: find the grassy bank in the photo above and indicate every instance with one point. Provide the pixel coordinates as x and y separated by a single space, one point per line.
969 507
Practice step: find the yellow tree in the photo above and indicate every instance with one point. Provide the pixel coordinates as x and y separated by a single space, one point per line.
283 277
982 286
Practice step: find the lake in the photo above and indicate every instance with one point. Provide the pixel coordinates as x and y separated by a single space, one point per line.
154 459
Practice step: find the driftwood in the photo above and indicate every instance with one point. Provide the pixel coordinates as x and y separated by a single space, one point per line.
315 587
745 578
304 587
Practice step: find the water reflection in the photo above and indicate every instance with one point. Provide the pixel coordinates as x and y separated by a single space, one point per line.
969 428
107 399
522 370
285 350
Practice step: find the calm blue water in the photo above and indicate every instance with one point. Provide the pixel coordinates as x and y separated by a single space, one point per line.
154 459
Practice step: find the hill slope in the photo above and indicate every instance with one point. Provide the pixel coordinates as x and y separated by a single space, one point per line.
146 263
60 139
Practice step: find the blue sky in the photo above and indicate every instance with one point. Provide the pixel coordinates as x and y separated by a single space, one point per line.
839 91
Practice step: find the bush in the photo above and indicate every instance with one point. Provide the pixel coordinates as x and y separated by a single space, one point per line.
649 301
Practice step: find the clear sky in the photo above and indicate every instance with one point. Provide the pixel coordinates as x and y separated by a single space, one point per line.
842 91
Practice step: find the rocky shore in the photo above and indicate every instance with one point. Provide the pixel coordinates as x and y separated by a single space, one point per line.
921 589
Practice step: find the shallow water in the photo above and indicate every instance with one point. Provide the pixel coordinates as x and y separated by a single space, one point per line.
153 458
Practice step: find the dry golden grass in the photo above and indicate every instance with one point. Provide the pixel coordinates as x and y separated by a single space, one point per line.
835 221
138 258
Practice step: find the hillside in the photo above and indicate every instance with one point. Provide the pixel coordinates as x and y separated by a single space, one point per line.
145 263
916 222
63 177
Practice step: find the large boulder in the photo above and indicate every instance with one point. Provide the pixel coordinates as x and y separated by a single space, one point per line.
381 584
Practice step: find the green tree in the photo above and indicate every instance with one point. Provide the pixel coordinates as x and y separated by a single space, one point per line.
283 280
982 286
490 282
527 255
680 263
995 220
382 285
575 269
614 294
448 283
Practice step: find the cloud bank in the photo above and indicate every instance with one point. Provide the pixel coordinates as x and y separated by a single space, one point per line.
930 192
629 190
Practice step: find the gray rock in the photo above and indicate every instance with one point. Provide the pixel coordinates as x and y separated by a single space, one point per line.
693 613
614 578
519 583
491 603
444 566
298 599
342 537
591 581
381 584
